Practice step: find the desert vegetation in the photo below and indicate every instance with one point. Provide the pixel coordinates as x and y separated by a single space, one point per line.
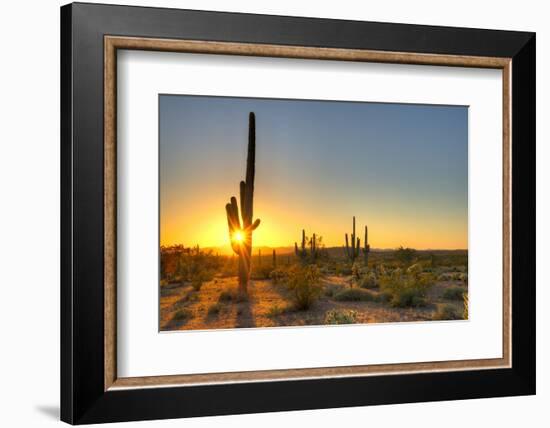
200 289
307 283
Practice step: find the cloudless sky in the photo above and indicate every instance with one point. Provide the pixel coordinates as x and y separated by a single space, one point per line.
402 169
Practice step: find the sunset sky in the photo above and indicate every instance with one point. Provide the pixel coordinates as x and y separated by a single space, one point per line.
402 169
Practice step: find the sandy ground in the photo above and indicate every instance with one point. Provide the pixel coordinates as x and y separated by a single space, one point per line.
269 305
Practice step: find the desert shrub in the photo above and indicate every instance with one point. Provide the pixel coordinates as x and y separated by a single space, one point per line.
278 275
415 269
303 282
332 289
408 297
453 276
383 297
369 280
336 316
354 295
225 296
446 312
183 314
261 272
181 264
214 309
275 310
453 293
198 279
406 288
342 269
405 255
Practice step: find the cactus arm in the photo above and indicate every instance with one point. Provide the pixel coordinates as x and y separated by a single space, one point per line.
253 226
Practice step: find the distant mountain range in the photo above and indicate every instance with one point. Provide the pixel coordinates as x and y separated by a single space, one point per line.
265 250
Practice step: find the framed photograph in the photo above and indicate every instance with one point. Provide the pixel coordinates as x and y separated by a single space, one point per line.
266 213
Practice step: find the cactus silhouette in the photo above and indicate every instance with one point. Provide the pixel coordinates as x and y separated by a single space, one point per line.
241 227
366 248
302 252
353 250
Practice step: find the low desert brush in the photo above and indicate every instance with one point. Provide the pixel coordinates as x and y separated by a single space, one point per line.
303 283
453 293
446 312
407 289
214 309
354 295
183 314
341 316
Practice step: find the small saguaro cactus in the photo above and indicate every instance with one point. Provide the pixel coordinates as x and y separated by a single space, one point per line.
241 227
302 252
366 248
274 258
353 250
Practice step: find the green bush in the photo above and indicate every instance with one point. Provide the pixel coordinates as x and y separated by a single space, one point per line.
446 312
354 295
369 281
303 282
407 288
336 316
453 293
409 297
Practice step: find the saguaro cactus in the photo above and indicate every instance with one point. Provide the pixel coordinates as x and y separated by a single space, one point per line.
302 252
353 251
366 248
241 228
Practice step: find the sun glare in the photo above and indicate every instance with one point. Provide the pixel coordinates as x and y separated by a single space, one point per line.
238 237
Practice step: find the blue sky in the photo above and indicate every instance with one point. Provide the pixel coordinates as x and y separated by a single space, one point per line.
400 168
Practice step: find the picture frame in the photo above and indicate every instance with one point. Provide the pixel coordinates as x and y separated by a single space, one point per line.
91 390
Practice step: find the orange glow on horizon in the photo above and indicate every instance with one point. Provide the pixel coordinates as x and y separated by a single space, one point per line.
282 228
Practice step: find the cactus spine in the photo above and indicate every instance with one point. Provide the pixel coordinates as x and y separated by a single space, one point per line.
241 228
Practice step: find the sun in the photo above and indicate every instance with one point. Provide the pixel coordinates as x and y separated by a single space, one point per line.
238 237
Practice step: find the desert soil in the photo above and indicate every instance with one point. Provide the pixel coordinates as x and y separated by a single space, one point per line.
269 305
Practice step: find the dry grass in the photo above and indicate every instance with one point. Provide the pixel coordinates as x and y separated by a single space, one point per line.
271 305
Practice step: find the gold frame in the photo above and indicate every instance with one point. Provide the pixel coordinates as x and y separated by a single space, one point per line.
113 43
